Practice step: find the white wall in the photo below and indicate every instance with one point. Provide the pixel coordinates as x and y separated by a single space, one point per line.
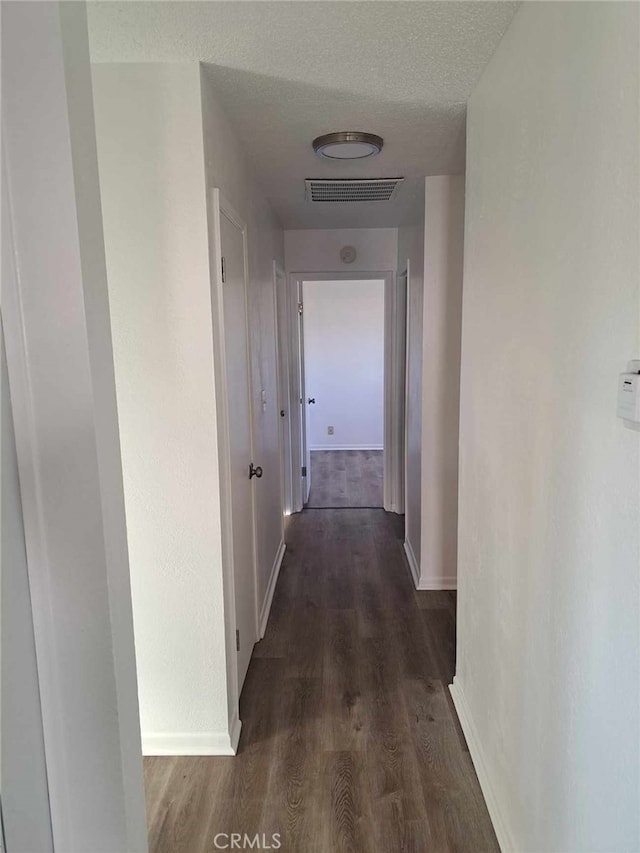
441 330
26 819
55 318
549 546
227 169
411 248
317 250
152 174
163 143
344 363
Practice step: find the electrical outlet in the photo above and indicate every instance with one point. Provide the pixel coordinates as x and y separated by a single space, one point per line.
330 430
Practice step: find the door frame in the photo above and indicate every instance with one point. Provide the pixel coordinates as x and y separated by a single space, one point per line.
394 415
220 206
402 387
305 450
283 384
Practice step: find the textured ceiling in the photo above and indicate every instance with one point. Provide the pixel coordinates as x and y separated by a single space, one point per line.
289 71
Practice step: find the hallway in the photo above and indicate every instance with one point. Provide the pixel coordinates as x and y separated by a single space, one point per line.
349 739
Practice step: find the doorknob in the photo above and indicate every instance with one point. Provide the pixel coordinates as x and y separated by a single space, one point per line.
311 400
255 472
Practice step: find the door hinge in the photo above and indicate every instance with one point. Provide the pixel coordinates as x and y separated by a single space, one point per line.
224 271
304 470
237 640
300 309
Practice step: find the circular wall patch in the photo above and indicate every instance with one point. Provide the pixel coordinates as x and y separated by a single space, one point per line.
348 254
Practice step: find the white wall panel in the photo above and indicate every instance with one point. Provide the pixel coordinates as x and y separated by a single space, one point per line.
549 547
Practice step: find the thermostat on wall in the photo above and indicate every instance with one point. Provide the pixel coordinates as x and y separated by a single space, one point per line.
629 394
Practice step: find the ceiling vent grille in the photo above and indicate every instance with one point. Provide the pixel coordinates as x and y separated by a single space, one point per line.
350 189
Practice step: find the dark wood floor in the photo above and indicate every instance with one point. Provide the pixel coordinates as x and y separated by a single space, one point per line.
349 739
346 478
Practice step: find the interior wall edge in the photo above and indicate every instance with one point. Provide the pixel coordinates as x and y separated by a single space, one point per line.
476 750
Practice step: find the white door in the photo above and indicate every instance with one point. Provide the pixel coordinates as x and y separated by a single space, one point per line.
239 400
305 403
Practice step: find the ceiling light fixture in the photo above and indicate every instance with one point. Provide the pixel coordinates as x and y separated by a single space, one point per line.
348 145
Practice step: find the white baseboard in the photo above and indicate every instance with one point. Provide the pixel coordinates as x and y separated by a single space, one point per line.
413 563
505 839
271 586
347 447
437 583
193 743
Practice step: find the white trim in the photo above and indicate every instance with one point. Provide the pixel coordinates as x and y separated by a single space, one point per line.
34 510
503 834
224 450
271 586
389 394
193 743
413 563
395 341
437 583
346 447
283 385
305 481
296 394
234 217
222 207
235 728
405 389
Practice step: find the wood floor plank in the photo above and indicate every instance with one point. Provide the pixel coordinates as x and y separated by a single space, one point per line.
349 741
348 827
391 760
293 803
441 630
342 701
275 642
346 478
456 810
181 823
157 774
437 599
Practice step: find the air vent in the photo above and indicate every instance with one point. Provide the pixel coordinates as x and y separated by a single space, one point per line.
373 189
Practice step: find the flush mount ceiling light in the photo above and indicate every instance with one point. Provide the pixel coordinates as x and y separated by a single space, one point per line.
348 145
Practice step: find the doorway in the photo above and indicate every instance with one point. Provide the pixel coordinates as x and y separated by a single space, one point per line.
230 240
347 386
343 353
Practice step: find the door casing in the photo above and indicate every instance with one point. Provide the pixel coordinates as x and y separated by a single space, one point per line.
219 207
285 403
